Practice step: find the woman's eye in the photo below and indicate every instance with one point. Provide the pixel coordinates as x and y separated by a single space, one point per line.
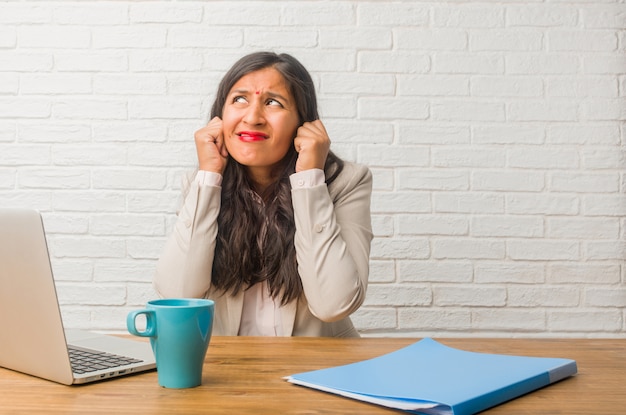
274 102
239 99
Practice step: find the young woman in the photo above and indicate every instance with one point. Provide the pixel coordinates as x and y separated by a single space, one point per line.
274 227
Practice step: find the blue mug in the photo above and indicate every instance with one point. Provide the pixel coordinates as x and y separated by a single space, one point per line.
180 332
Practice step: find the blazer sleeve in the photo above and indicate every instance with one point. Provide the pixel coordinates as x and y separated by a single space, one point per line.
184 267
332 240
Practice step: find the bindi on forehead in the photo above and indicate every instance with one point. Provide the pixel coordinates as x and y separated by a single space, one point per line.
257 92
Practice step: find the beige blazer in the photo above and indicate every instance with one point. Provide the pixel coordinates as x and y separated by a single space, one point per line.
332 239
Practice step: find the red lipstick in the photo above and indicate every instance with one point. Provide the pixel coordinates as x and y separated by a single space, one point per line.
251 136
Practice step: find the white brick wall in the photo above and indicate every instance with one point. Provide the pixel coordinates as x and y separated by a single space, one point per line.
495 131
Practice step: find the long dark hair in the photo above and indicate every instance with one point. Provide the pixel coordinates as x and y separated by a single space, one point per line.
255 239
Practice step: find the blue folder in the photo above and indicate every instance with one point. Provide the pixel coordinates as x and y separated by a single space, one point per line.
428 377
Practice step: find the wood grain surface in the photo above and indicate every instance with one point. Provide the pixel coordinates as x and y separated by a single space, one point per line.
244 375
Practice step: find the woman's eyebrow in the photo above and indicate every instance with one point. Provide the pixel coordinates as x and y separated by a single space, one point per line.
239 91
271 94
277 95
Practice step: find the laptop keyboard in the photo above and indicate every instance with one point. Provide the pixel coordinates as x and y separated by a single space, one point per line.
85 361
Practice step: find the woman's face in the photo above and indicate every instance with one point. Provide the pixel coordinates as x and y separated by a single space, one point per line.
260 120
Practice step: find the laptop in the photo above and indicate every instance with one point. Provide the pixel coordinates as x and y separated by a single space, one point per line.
32 337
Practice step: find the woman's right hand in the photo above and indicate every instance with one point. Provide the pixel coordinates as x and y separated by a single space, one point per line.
212 153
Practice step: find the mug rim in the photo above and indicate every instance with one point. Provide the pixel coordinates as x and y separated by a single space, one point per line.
181 302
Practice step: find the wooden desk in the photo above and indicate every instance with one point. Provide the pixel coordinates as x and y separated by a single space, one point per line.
244 375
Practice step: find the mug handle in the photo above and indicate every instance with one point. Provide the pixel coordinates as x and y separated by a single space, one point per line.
150 323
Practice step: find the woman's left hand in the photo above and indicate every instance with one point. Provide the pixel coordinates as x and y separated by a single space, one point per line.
312 144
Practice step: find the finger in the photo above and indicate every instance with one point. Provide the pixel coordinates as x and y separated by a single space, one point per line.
297 143
221 145
315 126
307 130
214 127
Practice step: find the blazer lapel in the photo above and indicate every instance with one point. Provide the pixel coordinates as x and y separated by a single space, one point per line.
288 317
234 306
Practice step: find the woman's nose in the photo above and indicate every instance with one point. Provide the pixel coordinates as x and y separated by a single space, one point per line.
254 113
